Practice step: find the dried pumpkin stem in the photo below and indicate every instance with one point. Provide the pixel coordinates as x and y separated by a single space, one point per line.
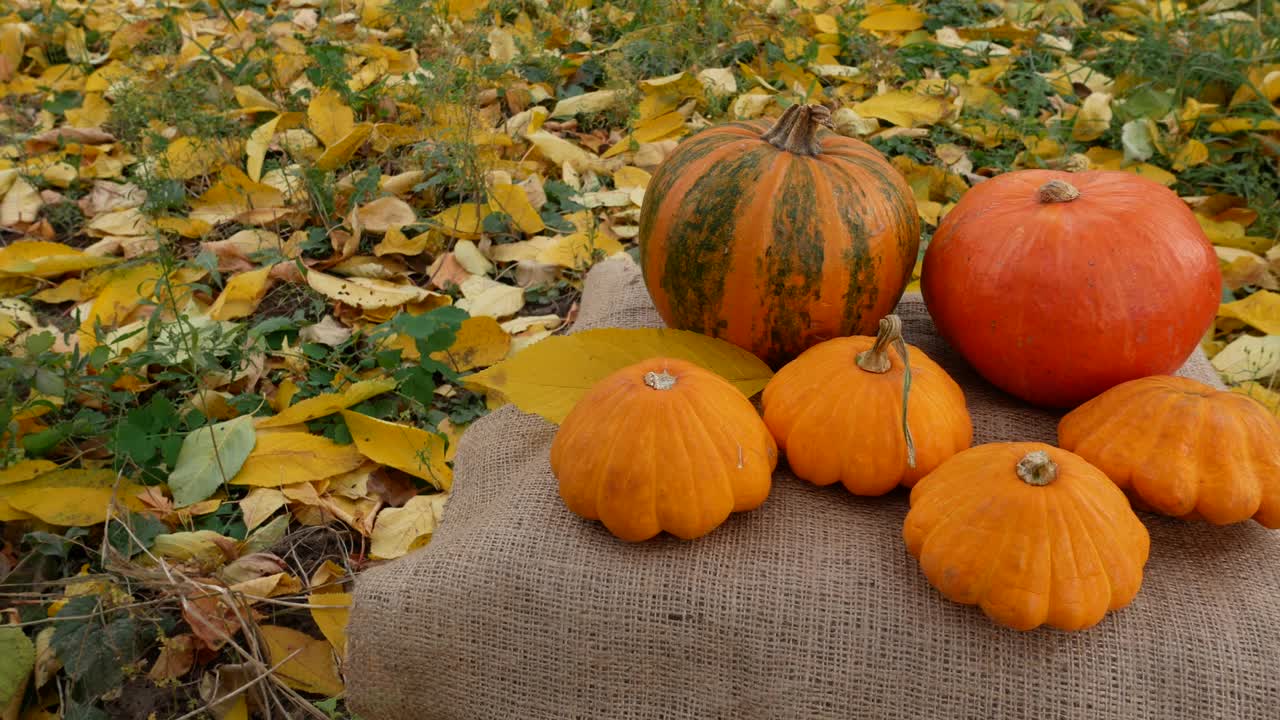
1037 468
877 360
660 380
1057 191
797 130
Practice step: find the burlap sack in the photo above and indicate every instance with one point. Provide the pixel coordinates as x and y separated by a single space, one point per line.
809 607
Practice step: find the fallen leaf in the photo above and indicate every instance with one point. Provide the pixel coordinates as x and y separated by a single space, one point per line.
72 497
399 530
512 200
17 660
332 621
241 296
210 456
365 293
177 656
1260 310
25 470
463 221
1093 119
903 108
578 250
384 214
548 378
282 458
895 18
36 258
259 505
329 403
471 259
480 342
329 118
256 147
483 296
303 663
417 452
1249 358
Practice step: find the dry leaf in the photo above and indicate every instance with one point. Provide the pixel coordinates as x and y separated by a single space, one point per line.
332 620
283 458
400 530
1260 310
304 663
329 403
417 452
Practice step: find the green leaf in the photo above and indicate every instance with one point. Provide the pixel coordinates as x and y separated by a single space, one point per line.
17 659
1136 139
549 377
210 456
93 651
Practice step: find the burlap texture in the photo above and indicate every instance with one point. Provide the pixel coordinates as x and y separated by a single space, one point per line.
809 607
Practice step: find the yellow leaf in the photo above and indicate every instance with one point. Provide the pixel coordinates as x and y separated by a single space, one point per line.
200 547
25 470
338 154
399 530
71 290
72 498
328 118
417 452
256 147
483 296
1093 118
365 293
37 258
1154 172
586 103
631 177
283 458
1231 125
480 342
903 108
241 295
21 204
893 19
188 157
305 663
123 290
260 504
1227 233
1192 153
394 242
578 250
253 101
329 403
186 227
234 193
124 222
561 151
1269 398
463 221
332 621
385 213
512 200
548 378
1249 358
1260 310
659 128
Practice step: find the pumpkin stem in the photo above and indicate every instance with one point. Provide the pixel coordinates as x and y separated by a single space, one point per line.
1057 191
877 360
660 381
1037 468
797 130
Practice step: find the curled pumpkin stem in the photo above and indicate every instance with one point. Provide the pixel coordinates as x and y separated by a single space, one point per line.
877 360
797 130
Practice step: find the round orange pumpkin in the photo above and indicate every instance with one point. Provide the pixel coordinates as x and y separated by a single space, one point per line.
1057 286
1030 533
663 445
776 238
1183 448
836 411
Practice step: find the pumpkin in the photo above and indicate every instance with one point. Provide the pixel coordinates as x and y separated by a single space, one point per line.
837 413
662 445
776 238
1183 448
1030 533
1057 286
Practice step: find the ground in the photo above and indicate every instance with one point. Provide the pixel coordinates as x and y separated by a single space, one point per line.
253 253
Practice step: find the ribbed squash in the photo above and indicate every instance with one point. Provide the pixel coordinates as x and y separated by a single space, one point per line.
776 238
1032 534
1182 448
663 445
836 411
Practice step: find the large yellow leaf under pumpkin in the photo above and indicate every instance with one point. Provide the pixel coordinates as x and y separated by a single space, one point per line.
548 378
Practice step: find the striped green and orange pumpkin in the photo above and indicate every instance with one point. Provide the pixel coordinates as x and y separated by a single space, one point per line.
776 238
